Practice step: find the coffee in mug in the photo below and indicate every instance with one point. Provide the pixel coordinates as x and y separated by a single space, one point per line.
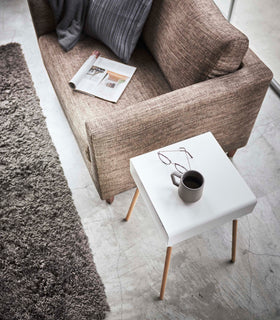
190 186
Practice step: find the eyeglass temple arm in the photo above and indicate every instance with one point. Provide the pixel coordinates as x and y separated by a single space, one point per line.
182 149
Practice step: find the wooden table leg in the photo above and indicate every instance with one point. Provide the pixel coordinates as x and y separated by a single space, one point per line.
165 272
136 194
234 237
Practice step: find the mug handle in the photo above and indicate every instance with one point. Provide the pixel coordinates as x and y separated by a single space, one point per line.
173 175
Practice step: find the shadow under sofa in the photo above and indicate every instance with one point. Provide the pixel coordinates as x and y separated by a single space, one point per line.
151 113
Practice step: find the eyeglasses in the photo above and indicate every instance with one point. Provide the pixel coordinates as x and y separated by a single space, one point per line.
164 159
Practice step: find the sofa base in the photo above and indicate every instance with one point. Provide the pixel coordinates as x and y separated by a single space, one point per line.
110 200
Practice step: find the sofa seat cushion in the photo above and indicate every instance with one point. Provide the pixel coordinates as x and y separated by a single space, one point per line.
192 41
147 82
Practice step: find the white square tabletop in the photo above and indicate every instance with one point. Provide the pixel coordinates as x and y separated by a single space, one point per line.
226 196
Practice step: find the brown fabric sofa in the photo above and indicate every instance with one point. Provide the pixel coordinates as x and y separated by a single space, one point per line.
194 74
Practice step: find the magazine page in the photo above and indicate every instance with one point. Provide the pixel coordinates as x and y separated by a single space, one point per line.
74 82
113 82
89 80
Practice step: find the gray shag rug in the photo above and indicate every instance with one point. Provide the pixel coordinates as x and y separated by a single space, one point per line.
46 265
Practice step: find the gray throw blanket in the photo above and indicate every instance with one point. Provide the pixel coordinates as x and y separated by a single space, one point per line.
70 17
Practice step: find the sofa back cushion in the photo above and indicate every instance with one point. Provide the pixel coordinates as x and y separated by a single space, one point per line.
42 16
192 41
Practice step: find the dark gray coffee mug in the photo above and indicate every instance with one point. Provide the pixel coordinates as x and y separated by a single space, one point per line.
191 185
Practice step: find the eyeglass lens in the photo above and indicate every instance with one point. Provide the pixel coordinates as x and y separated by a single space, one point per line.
167 161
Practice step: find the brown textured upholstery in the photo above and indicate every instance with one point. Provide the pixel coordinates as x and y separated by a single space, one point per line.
192 41
227 106
149 114
78 107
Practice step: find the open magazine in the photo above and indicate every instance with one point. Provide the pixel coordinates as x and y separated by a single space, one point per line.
102 77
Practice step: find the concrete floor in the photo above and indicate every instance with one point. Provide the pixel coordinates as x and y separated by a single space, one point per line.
202 284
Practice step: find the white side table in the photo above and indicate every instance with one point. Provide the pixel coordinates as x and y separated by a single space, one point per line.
226 196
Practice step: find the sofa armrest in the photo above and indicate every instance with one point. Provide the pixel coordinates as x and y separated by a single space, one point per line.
227 106
42 16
